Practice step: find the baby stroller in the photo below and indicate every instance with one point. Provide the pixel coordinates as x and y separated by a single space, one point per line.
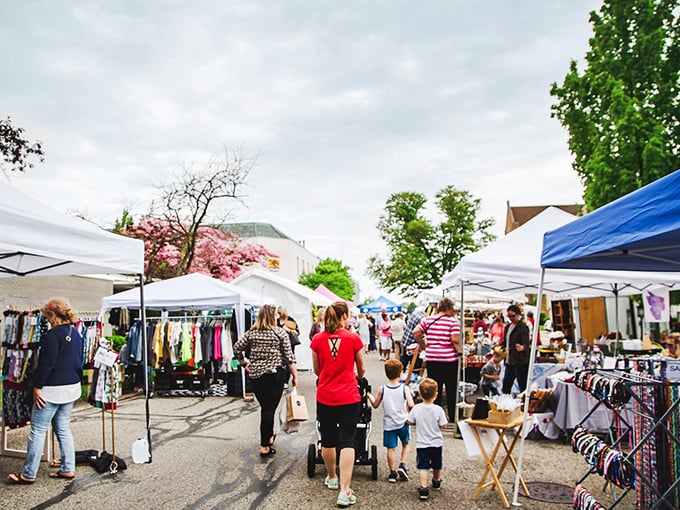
361 446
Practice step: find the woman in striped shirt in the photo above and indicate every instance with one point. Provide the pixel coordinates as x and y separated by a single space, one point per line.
439 336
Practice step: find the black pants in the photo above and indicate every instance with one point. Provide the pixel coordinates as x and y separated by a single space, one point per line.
268 390
512 372
446 374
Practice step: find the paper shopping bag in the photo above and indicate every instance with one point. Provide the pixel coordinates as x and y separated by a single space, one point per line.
296 407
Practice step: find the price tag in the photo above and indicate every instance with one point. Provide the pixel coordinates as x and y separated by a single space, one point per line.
105 357
673 370
34 321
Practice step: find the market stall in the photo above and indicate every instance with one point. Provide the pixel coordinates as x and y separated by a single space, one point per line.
637 232
193 368
36 240
377 306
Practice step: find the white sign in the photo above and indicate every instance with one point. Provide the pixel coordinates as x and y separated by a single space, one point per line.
673 370
657 304
105 357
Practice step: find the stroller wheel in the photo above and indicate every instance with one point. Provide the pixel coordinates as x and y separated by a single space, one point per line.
374 462
311 460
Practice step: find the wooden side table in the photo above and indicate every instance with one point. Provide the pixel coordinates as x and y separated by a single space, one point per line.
489 460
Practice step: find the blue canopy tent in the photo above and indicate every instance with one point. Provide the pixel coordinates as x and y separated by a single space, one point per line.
638 232
380 303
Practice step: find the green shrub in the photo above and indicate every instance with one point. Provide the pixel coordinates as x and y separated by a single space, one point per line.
117 341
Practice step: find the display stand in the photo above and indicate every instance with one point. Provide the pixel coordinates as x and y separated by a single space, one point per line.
653 429
516 427
194 381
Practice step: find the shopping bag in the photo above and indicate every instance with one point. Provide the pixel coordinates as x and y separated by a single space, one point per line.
289 427
296 407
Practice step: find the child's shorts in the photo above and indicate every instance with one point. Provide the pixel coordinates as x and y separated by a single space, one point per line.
391 438
429 458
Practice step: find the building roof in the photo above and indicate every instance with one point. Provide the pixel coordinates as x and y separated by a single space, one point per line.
519 215
254 229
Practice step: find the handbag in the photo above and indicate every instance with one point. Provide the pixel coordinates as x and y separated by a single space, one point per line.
296 407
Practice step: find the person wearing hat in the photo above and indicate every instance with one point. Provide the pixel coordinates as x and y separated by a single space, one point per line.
491 373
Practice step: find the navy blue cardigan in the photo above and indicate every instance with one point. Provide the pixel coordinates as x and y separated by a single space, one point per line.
59 362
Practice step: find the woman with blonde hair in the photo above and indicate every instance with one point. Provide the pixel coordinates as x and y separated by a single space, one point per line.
266 353
335 352
56 386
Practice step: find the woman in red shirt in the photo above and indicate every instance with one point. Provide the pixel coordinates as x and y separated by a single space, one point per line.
335 352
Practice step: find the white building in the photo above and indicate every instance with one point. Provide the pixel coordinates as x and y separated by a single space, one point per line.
293 258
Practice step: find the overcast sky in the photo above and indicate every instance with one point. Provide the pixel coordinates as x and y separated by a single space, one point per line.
347 102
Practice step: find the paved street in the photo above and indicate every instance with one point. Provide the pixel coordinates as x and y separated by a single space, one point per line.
205 456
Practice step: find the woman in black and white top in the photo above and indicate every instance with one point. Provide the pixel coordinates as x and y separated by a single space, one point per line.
265 352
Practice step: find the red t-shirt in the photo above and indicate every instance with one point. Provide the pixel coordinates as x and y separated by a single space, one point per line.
337 384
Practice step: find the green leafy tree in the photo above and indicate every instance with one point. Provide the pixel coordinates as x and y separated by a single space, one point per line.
15 150
333 275
622 111
420 251
126 221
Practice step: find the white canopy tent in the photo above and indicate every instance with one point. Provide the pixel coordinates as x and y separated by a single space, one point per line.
36 240
512 264
194 291
297 299
483 300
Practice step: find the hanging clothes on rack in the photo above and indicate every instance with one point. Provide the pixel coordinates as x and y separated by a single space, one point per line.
23 331
187 351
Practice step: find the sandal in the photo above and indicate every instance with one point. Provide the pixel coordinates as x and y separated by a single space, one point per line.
62 474
273 438
269 452
19 479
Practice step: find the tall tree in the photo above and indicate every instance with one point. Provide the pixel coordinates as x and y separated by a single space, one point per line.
193 195
15 150
622 111
333 275
420 252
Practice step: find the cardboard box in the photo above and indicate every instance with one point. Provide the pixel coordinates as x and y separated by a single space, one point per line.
504 417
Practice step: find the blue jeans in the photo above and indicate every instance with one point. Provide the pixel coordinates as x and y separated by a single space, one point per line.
59 415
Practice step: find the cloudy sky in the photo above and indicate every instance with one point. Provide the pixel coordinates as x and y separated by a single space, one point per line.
347 102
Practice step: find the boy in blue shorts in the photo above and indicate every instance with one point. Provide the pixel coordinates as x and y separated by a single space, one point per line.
429 420
397 400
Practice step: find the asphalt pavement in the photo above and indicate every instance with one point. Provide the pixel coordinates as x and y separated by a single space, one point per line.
205 456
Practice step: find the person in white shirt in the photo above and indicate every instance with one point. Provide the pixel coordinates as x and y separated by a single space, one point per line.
398 328
429 420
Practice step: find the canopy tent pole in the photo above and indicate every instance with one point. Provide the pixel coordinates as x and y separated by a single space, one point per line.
461 348
616 311
145 358
527 391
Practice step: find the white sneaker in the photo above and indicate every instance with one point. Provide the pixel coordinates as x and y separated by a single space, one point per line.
346 499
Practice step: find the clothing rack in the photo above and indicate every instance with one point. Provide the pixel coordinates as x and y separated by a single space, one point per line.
198 380
22 341
188 317
653 404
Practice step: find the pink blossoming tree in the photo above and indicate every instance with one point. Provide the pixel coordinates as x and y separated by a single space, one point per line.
219 254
